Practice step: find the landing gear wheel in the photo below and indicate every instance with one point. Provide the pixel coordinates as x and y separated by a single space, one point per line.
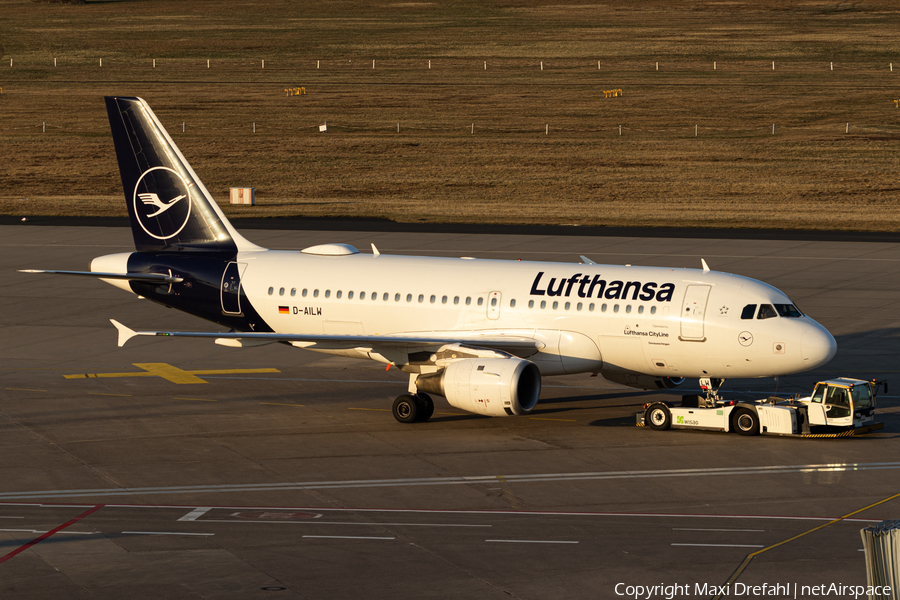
426 408
745 422
658 417
407 408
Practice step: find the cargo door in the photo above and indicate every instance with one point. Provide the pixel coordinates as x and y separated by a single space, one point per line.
693 313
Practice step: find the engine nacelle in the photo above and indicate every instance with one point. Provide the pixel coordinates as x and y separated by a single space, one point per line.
644 382
497 387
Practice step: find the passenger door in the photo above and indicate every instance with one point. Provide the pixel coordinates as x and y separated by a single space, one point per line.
693 312
231 288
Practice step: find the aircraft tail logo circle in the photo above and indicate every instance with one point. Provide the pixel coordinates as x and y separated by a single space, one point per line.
162 202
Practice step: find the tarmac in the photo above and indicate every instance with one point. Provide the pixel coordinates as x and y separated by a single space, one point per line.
181 469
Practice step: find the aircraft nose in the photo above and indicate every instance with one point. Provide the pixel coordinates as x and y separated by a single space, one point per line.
817 347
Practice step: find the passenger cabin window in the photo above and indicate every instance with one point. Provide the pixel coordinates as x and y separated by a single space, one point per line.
271 290
315 293
328 293
385 297
396 297
748 311
339 293
362 295
349 295
281 292
468 300
293 291
531 304
409 297
512 303
788 310
766 311
480 301
493 302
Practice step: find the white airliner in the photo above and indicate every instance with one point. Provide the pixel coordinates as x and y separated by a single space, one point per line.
481 333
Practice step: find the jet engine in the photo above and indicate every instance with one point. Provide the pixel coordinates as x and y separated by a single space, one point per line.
497 387
644 382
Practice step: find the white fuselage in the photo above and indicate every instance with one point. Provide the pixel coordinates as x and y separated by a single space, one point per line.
656 321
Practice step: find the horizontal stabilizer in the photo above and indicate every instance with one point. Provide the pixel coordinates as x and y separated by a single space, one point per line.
125 333
148 277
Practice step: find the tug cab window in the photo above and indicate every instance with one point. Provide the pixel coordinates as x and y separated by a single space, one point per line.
766 311
748 311
788 310
862 396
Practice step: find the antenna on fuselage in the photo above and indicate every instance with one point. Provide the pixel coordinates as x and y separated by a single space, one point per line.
705 266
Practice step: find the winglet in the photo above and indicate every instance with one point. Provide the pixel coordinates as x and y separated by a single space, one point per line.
585 260
375 250
125 333
705 266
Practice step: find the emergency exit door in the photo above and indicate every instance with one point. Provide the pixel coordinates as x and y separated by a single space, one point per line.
693 312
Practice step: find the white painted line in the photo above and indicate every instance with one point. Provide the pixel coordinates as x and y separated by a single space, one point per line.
695 529
311 522
12 517
164 533
724 545
533 541
485 512
348 537
482 479
38 531
195 514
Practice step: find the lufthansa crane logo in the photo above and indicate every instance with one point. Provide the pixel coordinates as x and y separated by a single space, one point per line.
162 202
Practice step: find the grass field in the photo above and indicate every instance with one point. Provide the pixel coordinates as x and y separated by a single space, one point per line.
696 146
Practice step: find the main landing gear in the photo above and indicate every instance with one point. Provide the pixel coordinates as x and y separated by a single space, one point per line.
410 408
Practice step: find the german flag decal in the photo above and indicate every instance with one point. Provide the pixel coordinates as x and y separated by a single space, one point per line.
284 310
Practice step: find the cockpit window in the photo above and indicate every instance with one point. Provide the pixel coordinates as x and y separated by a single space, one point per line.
766 311
748 311
788 310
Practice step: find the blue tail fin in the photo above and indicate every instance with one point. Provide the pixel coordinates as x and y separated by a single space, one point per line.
169 207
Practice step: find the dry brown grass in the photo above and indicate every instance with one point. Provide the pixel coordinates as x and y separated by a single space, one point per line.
810 174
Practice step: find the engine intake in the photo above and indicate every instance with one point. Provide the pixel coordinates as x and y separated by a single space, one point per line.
497 387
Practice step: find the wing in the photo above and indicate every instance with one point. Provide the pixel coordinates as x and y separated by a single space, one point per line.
513 344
